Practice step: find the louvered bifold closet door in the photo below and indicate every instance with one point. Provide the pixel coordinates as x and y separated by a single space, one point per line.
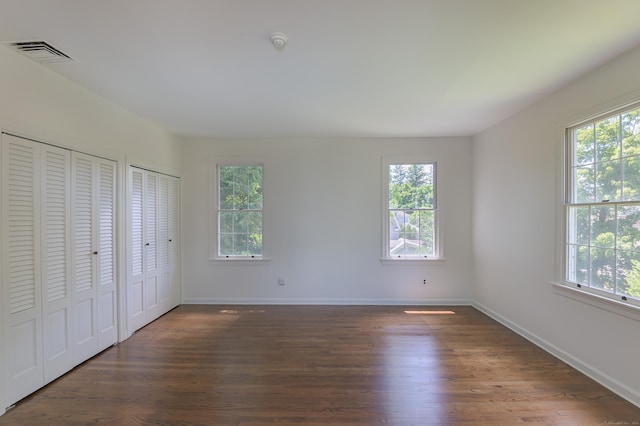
164 291
135 250
84 256
106 265
21 280
174 241
93 256
153 241
152 303
57 301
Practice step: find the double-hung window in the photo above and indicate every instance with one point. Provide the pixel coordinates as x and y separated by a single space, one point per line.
239 211
411 215
602 205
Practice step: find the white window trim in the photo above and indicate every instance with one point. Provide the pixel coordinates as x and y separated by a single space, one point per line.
213 210
612 303
387 161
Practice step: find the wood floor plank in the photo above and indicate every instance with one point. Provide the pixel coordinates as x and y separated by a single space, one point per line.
308 365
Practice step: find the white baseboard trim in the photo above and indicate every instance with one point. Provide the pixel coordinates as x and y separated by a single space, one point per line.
345 302
631 395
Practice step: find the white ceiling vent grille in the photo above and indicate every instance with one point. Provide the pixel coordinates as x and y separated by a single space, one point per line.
40 51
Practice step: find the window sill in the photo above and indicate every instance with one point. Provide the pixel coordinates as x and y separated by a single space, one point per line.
414 260
240 260
611 305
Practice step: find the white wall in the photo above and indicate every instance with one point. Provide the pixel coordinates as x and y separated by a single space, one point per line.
40 104
37 103
515 192
326 197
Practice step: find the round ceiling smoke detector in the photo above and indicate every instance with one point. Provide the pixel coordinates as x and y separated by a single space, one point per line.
279 40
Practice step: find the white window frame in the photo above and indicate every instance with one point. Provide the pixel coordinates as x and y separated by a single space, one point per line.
387 161
611 302
214 254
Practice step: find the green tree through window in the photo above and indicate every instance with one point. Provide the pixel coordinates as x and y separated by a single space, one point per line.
240 211
603 208
412 210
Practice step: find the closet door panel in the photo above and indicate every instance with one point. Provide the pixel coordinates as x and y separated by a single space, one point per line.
136 249
164 292
24 358
106 272
83 257
57 342
152 306
174 242
21 284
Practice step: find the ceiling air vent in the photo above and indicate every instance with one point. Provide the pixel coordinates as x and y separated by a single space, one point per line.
40 51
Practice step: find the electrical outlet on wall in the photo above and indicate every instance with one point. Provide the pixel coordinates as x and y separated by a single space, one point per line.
280 280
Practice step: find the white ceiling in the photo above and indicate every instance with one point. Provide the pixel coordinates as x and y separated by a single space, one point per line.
352 68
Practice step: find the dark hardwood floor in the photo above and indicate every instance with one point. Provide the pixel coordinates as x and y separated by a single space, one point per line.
305 365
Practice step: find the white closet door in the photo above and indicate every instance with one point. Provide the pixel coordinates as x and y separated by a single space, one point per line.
58 275
93 251
21 281
153 246
174 242
57 304
136 249
152 301
106 267
84 254
164 292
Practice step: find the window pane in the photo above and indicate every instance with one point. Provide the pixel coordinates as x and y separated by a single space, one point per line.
255 188
240 221
398 249
394 225
242 177
603 267
578 264
254 222
603 227
631 133
631 179
584 148
628 273
412 235
226 197
401 233
584 184
608 139
608 181
427 243
628 232
411 186
241 196
255 244
225 175
226 245
240 245
226 222
579 225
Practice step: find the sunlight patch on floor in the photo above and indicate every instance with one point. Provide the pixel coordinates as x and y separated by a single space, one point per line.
237 311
